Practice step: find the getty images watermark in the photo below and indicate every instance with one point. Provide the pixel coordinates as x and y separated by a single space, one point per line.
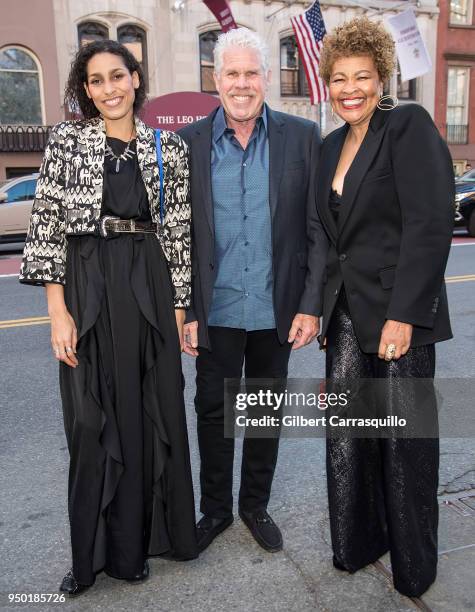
267 399
361 408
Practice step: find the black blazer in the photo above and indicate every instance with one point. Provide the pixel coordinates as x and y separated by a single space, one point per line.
392 240
299 243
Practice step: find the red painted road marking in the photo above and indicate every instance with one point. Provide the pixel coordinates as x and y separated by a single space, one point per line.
10 265
463 240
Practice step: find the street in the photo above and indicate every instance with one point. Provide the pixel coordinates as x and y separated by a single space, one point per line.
234 573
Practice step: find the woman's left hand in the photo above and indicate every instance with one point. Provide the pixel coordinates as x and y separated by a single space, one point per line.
180 322
395 333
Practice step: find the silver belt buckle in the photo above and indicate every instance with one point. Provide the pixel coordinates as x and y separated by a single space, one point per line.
159 233
102 224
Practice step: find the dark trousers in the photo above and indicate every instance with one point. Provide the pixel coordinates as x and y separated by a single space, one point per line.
382 492
263 357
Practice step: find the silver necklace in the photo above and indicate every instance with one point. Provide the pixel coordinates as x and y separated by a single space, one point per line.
123 157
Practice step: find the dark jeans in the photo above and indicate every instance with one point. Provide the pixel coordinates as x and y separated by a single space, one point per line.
263 357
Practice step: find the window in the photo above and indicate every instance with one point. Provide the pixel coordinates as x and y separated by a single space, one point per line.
20 97
461 12
468 176
91 31
131 36
293 81
135 39
457 104
30 188
406 90
17 171
25 190
207 44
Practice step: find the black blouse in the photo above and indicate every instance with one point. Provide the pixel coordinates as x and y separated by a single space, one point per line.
334 203
124 193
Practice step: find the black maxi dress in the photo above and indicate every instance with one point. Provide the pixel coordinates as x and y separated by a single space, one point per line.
130 488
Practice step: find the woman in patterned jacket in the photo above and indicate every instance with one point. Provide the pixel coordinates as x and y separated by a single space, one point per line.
110 241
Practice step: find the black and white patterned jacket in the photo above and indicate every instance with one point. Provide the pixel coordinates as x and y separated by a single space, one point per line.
68 200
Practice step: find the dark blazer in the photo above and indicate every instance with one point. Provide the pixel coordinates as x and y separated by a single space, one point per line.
392 240
299 243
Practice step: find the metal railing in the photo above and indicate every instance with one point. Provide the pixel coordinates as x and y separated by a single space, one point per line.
457 134
23 138
292 83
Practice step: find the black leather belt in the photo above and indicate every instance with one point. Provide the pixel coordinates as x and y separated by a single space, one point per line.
113 224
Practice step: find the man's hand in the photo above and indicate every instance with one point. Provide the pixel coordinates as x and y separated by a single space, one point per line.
396 333
191 338
303 331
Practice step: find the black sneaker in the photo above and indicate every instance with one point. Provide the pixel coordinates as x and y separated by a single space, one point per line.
265 531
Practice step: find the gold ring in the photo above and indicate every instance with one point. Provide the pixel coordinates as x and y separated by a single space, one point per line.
390 352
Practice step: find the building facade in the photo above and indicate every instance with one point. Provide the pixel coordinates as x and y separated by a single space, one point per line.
455 83
29 84
174 41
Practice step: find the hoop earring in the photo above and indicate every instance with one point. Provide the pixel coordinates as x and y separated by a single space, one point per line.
386 106
334 117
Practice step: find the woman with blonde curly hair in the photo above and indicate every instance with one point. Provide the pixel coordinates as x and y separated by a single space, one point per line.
384 194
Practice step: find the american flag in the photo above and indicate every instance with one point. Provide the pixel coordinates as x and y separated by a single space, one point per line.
309 29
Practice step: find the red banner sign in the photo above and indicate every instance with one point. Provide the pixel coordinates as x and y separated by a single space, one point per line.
222 12
173 111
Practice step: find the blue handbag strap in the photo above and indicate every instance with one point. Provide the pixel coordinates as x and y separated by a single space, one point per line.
160 171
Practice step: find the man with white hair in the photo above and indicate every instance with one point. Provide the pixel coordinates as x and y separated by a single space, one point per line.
258 257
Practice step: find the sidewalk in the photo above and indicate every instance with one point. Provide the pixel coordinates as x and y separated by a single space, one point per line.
234 573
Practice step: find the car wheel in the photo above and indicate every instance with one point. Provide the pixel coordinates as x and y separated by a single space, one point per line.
471 224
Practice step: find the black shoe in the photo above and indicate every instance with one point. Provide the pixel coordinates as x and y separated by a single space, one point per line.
265 531
208 528
71 586
338 565
145 573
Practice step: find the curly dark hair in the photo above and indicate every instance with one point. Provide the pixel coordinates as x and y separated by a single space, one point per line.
75 95
360 36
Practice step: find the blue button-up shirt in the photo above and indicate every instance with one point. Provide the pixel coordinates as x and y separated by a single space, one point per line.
242 295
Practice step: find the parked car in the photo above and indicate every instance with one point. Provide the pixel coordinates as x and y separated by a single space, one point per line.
465 201
16 200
